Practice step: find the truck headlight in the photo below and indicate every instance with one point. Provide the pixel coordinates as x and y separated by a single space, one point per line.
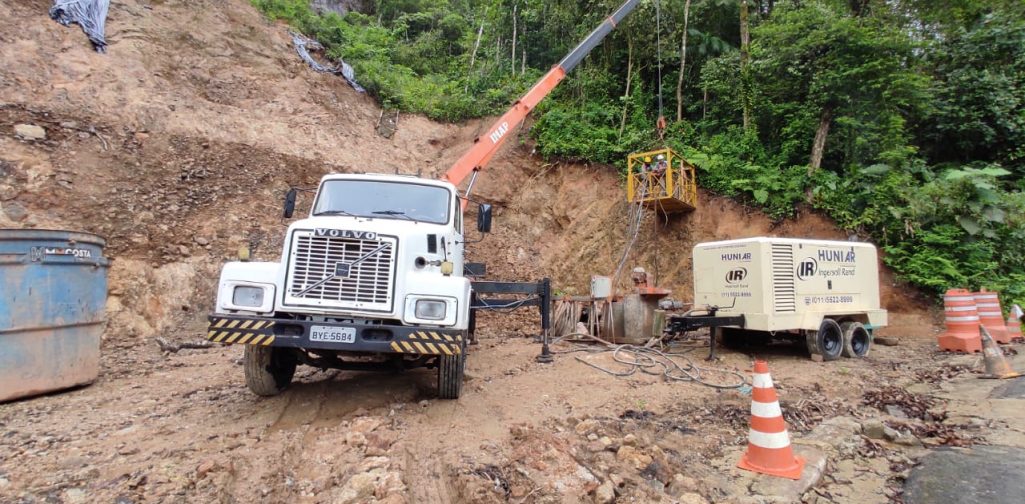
428 309
247 296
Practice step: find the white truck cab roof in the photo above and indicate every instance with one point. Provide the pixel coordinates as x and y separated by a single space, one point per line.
386 177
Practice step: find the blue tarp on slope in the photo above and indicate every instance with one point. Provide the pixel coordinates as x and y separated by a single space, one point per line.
91 15
302 46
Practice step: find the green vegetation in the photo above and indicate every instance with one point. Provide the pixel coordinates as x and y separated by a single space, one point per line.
902 120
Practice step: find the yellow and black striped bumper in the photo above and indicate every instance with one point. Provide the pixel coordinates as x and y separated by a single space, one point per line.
241 331
429 343
374 338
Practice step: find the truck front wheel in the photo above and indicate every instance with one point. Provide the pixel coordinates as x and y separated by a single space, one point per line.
450 375
828 341
269 370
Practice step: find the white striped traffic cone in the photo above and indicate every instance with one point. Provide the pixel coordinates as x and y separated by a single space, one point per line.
768 448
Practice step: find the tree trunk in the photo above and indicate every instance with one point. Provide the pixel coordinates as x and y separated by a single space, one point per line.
704 103
683 63
513 58
629 79
745 42
473 56
818 147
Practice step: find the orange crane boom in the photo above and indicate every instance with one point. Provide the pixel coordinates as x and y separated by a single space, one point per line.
484 147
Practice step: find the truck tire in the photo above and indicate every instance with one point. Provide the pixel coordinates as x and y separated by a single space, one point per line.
471 332
856 339
269 370
827 341
450 375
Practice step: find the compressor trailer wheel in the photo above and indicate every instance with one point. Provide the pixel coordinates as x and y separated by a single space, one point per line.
856 339
828 341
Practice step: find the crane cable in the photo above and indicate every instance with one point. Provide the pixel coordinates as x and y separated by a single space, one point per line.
660 124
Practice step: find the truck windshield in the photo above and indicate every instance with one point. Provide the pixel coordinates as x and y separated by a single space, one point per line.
385 200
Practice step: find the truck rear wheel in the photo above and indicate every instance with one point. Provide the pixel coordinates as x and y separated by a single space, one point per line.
828 341
450 375
856 339
269 370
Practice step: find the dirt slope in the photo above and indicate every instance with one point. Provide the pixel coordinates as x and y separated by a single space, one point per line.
177 146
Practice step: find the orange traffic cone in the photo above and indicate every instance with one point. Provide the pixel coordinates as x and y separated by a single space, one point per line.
768 448
996 364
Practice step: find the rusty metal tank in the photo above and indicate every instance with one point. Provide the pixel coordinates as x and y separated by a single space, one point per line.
53 289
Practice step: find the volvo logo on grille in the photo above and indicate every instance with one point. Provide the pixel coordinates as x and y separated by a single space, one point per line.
345 233
342 270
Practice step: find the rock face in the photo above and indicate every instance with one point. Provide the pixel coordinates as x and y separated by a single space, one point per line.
630 455
342 7
15 212
358 489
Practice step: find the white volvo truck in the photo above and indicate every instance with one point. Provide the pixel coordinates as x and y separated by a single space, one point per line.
374 277
370 271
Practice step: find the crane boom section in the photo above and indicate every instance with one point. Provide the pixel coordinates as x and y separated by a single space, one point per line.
484 147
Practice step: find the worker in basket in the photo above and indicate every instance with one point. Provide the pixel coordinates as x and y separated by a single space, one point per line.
646 167
658 171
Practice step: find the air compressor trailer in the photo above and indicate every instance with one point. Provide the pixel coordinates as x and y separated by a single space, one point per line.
826 293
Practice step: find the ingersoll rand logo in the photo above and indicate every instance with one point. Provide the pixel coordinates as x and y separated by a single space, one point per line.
736 275
807 268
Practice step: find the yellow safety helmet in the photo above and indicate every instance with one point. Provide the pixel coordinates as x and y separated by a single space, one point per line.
647 159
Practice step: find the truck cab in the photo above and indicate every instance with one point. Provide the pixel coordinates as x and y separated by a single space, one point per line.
373 276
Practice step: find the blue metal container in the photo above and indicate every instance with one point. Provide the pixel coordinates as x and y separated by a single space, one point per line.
53 289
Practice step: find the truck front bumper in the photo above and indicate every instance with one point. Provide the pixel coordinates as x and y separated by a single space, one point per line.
243 330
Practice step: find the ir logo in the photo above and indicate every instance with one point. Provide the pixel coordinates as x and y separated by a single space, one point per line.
807 268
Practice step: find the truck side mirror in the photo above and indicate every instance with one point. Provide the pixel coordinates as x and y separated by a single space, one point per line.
289 204
484 218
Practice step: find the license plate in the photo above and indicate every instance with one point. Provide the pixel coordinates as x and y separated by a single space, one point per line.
328 334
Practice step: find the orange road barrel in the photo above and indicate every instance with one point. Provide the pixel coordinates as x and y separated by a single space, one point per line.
53 290
990 316
962 334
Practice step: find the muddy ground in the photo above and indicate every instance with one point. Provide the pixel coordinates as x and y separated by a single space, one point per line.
177 146
182 427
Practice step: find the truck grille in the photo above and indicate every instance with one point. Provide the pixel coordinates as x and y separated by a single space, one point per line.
784 292
314 258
